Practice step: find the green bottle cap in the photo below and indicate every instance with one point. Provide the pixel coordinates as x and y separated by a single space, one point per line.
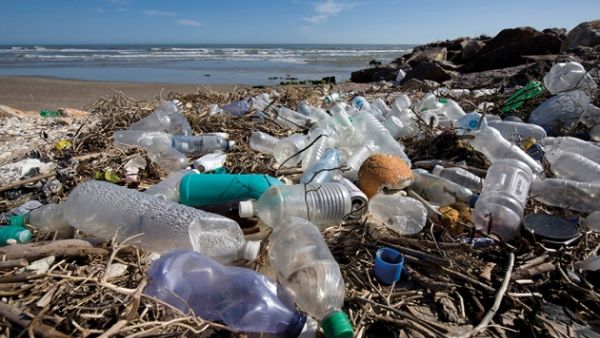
337 325
18 233
18 220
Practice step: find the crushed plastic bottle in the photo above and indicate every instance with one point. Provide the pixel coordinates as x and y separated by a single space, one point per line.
326 169
499 208
439 190
404 215
242 299
105 209
325 205
566 76
578 196
459 176
564 109
305 266
166 118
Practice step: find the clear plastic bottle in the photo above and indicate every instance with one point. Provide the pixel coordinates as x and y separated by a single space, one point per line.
291 119
358 157
158 145
242 299
103 209
260 102
428 102
459 176
372 129
499 208
380 104
579 196
331 98
452 110
574 145
263 142
439 190
48 218
565 76
572 166
196 145
325 170
490 142
167 118
287 151
404 215
236 108
518 131
320 140
593 221
401 102
305 266
168 189
395 126
314 113
360 103
563 109
325 205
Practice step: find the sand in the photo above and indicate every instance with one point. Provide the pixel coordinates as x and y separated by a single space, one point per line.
35 93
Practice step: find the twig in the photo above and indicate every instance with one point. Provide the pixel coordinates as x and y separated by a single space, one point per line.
26 181
18 317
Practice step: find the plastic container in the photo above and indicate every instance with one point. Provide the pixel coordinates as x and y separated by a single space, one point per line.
305 266
263 142
565 76
168 189
388 265
14 233
231 210
287 151
324 205
203 189
242 299
499 208
402 102
358 157
395 126
210 162
372 129
572 166
158 145
564 109
593 221
517 131
490 142
166 118
516 100
325 170
459 176
360 103
578 196
439 190
236 108
319 140
573 145
404 215
291 119
47 218
380 104
315 114
358 198
331 98
196 145
105 209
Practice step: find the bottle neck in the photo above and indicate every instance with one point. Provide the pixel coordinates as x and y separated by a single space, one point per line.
296 325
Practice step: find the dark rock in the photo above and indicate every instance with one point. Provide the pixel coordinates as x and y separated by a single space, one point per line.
429 71
418 85
470 49
367 75
488 79
585 34
560 32
329 79
427 54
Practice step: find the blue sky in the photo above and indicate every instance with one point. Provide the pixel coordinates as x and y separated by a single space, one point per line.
276 21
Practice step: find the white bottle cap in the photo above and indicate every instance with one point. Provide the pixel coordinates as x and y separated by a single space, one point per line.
230 144
246 209
251 250
437 169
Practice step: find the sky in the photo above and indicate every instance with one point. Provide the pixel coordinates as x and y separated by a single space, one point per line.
276 21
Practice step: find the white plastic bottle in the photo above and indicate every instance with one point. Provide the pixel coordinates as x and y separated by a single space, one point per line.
459 176
287 150
572 166
395 126
263 142
106 209
499 208
305 266
291 119
325 205
579 196
167 118
358 157
490 142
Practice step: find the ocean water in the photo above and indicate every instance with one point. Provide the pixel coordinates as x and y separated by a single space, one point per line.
196 64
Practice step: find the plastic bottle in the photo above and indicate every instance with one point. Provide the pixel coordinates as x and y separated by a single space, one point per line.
47 218
565 76
196 145
305 266
517 131
320 140
401 102
395 126
499 208
263 142
106 209
287 151
14 233
573 145
572 166
404 215
471 122
236 108
168 189
210 162
166 118
428 102
459 176
357 158
325 205
158 145
291 119
325 170
439 190
563 109
242 299
452 110
260 102
372 129
360 103
516 100
380 104
230 210
331 98
490 142
315 114
593 221
202 189
578 196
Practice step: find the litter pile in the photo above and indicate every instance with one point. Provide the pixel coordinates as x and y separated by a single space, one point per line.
369 214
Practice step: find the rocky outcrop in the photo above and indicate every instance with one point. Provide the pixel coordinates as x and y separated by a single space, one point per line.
586 34
428 70
374 74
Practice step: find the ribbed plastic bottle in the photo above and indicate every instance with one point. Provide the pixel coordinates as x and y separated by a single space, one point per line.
517 131
490 142
566 76
106 209
325 205
574 145
305 266
287 151
499 208
263 142
159 146
563 109
242 299
439 190
578 196
572 166
320 140
196 145
326 169
167 118
168 189
459 176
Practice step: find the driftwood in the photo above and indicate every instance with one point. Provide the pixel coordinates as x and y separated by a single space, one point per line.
59 248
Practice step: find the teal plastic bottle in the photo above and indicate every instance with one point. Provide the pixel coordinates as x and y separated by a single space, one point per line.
16 232
204 189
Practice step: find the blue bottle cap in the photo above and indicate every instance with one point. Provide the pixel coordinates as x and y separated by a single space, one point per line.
388 265
473 200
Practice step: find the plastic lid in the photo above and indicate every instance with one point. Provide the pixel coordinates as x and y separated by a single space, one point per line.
246 209
251 250
337 325
388 265
550 227
18 220
25 236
